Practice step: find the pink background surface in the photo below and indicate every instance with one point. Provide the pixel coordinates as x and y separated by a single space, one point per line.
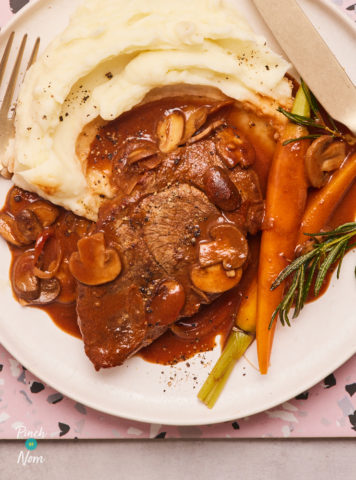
29 408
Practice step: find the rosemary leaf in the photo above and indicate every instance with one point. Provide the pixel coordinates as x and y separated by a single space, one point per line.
309 280
292 140
284 307
300 119
333 124
341 257
324 267
292 267
313 102
300 291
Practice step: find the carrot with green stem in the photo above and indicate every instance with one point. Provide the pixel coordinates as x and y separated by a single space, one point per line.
243 333
285 204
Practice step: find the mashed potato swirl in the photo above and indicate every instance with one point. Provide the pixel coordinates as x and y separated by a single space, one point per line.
108 58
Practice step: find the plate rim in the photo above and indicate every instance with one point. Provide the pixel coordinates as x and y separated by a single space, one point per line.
15 351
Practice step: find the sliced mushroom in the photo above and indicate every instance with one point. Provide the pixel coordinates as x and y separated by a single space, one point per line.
8 229
142 153
46 213
215 279
53 266
94 264
129 181
170 131
26 285
49 291
151 162
29 226
233 149
166 305
207 131
220 189
323 156
229 247
23 225
30 289
195 117
22 230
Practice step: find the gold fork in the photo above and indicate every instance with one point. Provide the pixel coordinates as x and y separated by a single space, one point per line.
7 114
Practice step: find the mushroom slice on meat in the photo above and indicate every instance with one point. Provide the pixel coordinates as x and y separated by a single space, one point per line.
195 117
207 131
94 264
229 247
140 149
215 279
170 131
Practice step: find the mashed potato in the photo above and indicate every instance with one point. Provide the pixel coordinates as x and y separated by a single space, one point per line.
108 58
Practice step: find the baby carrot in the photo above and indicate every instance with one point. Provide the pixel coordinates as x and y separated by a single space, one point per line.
285 204
325 201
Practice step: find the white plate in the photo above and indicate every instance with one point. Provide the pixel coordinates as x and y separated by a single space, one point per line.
320 340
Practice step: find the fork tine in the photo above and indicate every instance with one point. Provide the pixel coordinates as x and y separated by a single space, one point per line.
34 53
12 83
5 56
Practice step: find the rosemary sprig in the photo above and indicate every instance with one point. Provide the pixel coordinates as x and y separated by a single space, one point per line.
313 123
328 248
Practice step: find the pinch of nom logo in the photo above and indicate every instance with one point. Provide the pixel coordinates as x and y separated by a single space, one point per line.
26 457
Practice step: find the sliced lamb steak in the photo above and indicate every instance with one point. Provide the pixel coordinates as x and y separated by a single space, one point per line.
158 238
